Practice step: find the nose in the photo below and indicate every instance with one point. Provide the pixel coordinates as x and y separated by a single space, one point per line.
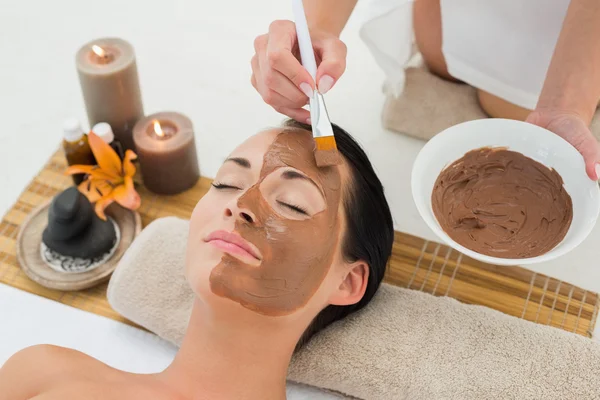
241 213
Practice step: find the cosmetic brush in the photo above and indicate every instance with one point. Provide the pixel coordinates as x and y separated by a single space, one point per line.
326 153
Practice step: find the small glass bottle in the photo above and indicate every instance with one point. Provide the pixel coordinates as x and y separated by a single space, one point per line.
76 147
105 132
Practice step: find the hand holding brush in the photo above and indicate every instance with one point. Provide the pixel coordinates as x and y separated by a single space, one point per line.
326 153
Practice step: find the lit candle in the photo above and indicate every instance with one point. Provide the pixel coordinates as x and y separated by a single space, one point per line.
166 149
109 82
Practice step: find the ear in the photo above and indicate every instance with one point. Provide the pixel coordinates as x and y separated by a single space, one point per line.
353 285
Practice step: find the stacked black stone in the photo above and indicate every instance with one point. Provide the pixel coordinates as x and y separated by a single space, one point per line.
74 229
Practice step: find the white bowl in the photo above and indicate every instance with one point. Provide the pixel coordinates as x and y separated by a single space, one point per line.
530 140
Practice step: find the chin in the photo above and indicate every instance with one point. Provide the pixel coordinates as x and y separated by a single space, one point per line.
199 264
220 308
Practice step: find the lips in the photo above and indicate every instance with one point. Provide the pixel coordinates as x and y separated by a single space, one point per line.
234 244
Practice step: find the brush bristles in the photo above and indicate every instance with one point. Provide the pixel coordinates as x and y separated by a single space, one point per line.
326 153
326 143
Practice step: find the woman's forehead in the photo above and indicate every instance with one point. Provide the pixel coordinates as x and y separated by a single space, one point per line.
254 148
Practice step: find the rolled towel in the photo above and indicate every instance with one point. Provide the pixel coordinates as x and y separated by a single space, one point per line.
404 345
429 104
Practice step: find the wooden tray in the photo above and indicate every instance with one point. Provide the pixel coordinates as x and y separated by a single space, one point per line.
30 257
416 264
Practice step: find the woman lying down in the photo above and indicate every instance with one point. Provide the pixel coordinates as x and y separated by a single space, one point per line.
278 249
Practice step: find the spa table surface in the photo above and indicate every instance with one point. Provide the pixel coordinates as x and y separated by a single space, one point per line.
201 69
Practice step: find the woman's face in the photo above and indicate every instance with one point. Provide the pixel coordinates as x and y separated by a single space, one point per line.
267 233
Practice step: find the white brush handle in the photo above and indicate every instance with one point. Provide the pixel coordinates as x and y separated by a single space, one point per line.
304 43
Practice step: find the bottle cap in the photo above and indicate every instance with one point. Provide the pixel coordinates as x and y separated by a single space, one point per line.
72 130
104 131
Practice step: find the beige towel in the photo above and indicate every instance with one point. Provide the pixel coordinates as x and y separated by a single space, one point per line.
429 104
404 345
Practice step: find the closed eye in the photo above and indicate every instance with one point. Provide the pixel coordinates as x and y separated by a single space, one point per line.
292 207
223 186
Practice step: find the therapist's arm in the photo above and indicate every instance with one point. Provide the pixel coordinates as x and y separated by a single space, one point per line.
277 74
572 87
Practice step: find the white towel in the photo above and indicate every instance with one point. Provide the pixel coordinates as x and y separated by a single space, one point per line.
404 345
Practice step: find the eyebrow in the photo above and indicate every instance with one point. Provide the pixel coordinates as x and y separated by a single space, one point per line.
242 162
288 174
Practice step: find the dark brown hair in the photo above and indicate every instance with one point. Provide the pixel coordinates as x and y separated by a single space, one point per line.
369 226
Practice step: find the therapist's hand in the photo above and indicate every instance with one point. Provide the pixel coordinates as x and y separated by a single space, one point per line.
573 129
280 78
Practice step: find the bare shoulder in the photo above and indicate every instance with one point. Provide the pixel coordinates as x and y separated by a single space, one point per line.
33 369
55 373
47 359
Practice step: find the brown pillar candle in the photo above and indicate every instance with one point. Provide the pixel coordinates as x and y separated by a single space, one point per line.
109 82
166 150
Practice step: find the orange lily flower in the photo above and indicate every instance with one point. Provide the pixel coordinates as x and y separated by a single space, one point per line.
109 181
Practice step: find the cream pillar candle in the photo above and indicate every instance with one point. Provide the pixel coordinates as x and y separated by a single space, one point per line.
109 82
166 149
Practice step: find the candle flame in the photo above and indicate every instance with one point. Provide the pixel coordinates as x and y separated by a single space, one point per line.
158 130
98 50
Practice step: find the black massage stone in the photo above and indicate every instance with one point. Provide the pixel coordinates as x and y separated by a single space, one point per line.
69 215
74 229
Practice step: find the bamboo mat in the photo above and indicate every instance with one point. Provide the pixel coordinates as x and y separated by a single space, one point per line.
416 264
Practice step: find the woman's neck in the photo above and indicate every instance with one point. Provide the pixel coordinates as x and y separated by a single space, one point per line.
230 360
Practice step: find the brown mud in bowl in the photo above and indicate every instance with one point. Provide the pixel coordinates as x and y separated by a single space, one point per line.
502 204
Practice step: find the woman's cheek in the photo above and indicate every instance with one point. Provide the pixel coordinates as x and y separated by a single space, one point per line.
200 261
209 206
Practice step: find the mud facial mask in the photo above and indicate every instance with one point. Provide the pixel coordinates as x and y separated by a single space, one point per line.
296 253
502 204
